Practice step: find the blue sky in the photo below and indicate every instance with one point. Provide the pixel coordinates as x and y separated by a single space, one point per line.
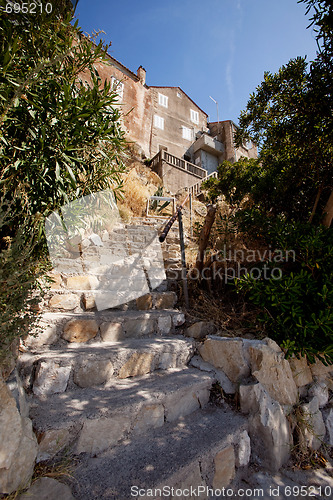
217 48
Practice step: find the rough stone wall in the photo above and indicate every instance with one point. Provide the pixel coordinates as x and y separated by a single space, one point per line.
136 104
176 115
225 132
175 178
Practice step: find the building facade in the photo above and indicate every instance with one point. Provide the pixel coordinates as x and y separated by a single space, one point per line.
160 118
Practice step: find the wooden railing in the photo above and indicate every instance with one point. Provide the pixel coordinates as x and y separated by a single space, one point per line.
195 189
164 156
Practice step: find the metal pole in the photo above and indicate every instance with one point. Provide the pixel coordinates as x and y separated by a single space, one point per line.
182 249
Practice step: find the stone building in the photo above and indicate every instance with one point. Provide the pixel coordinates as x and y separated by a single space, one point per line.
169 127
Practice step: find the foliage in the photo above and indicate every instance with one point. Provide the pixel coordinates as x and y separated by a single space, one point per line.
19 271
60 132
60 138
297 298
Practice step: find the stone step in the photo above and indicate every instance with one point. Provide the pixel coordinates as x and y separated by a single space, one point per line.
91 420
63 328
67 299
47 371
206 449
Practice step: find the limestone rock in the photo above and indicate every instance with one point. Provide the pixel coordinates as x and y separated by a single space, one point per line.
149 417
178 319
319 390
98 435
19 473
268 427
320 371
67 302
46 336
243 450
315 429
139 327
47 488
166 300
226 354
200 329
145 302
164 324
92 371
55 280
82 282
271 369
80 330
111 332
224 462
51 442
138 364
329 426
301 371
89 302
10 427
51 378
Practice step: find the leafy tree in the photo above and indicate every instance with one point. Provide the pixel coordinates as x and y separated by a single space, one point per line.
60 131
290 117
60 138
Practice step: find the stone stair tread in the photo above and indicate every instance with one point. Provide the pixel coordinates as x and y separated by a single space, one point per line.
104 349
172 456
121 396
108 315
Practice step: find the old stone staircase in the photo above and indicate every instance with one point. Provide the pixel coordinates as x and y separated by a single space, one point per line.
114 388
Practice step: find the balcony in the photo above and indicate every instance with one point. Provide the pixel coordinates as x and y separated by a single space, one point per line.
208 144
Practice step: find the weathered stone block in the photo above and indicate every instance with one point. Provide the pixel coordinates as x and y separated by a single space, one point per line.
49 488
111 332
320 391
47 336
139 327
138 364
273 371
80 330
200 329
20 471
227 355
92 371
178 319
315 430
301 371
164 324
145 302
82 282
268 426
10 427
67 302
51 442
243 450
224 463
149 417
50 378
98 435
329 426
165 300
89 302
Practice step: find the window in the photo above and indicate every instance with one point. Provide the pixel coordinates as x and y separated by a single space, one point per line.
179 95
187 133
118 87
194 116
162 100
159 122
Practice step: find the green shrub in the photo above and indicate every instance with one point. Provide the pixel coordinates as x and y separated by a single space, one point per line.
297 306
